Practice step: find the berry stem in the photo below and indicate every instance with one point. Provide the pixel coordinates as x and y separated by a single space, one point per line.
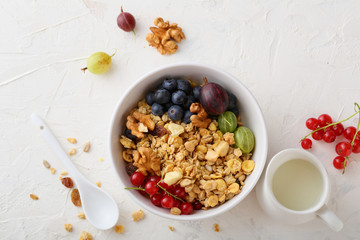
114 53
205 80
346 159
357 129
135 188
332 124
162 176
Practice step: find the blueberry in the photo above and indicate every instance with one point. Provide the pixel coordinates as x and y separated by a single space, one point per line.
175 112
129 135
179 97
190 100
150 98
184 85
186 118
232 100
157 109
169 84
196 92
162 96
235 111
167 106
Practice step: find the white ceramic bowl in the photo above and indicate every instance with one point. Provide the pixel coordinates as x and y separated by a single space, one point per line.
250 114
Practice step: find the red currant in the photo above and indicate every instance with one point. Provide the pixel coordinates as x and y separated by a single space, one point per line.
156 199
329 136
167 201
349 133
324 119
151 188
318 135
197 205
343 149
180 192
356 146
137 178
186 208
306 143
177 203
154 178
338 129
171 189
311 123
163 184
339 162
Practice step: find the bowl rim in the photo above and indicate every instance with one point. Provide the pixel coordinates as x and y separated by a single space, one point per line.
216 211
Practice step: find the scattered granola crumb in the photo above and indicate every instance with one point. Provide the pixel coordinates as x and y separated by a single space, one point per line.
175 211
60 178
34 197
72 140
81 215
171 228
85 236
52 170
68 227
98 184
216 227
119 228
64 173
72 151
101 159
138 215
86 147
46 164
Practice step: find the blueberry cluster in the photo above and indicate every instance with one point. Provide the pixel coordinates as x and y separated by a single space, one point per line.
174 96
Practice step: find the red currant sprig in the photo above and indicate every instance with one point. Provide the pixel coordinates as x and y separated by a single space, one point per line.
323 129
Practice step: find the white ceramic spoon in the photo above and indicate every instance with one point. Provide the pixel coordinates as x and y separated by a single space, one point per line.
99 207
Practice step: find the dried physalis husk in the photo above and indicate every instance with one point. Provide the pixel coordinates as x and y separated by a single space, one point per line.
75 197
67 182
46 164
86 147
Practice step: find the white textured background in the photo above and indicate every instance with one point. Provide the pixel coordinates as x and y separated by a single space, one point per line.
299 59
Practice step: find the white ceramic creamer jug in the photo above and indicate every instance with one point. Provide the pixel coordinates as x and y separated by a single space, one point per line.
295 188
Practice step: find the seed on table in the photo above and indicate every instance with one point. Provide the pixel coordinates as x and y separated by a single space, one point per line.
46 164
86 147
72 140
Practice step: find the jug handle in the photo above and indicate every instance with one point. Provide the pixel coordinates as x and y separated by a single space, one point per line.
330 218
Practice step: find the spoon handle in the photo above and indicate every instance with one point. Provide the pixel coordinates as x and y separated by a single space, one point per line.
54 144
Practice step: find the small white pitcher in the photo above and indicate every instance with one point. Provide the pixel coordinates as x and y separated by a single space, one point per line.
275 209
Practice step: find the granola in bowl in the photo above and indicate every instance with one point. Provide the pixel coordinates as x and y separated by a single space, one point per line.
191 155
251 117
